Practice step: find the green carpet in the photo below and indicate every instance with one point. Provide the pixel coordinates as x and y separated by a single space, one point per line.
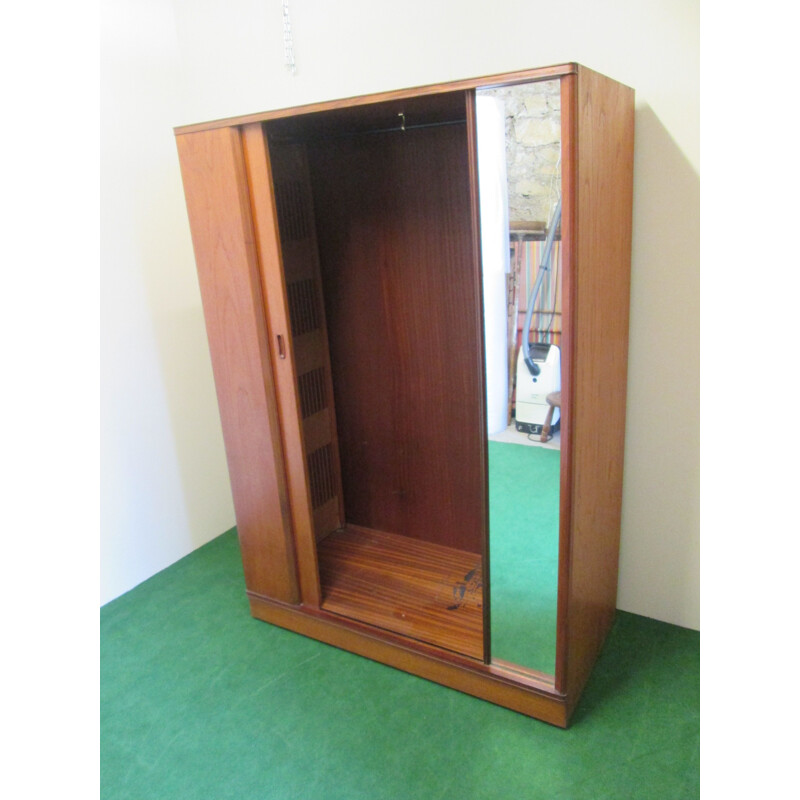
199 700
523 553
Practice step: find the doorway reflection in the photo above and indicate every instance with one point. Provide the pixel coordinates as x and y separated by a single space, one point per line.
519 158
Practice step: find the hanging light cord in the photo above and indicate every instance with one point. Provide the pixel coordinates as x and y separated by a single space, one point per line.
288 44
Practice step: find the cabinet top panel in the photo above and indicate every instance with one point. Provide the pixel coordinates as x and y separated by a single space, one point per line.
542 73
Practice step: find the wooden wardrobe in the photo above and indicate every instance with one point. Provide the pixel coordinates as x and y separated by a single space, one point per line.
338 248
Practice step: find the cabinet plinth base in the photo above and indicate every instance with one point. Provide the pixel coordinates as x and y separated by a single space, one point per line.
536 699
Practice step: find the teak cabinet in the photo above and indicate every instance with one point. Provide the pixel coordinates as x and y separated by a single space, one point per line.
339 257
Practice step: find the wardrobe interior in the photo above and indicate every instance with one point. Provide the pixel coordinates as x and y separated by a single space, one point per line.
376 209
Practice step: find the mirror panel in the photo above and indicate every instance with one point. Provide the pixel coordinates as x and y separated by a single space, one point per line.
519 168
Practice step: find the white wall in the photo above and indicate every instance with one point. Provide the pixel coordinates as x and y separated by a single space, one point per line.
170 62
164 485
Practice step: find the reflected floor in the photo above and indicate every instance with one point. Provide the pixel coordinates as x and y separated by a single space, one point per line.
512 436
523 523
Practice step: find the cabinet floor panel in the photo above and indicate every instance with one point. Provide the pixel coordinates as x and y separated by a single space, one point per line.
417 589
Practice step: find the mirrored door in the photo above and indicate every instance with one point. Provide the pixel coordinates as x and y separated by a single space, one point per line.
519 168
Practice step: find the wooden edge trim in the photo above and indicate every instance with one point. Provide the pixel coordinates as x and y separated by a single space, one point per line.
569 186
456 672
475 220
522 76
519 674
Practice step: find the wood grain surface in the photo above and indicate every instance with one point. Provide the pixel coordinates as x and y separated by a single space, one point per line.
265 220
414 588
215 184
599 285
394 224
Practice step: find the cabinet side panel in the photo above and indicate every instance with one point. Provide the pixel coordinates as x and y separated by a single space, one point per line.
215 185
603 183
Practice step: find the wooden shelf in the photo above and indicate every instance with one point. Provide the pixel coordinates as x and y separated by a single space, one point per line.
421 590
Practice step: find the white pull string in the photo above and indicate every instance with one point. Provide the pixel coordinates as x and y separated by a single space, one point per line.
288 44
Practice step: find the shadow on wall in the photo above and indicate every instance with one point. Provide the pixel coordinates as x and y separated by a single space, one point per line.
659 558
180 334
